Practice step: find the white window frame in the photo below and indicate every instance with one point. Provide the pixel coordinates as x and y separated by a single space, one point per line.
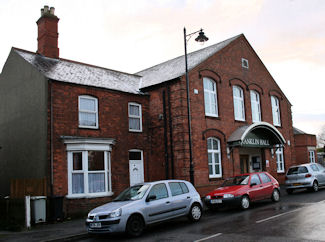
135 116
209 95
239 101
311 154
279 159
255 106
214 163
88 111
275 103
84 145
244 62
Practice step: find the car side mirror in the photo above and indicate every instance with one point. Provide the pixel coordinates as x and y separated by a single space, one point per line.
253 184
151 197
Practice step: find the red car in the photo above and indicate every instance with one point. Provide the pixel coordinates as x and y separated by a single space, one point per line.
243 189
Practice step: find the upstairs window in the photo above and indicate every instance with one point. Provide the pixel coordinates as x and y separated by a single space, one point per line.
210 97
135 117
276 111
239 108
256 106
88 112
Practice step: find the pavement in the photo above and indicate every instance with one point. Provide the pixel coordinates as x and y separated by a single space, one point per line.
59 231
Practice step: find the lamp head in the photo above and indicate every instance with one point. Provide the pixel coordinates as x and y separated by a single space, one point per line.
201 38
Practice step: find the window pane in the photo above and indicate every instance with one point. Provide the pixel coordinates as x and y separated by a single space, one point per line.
210 170
134 110
77 161
255 179
96 182
215 144
175 188
209 144
77 183
217 169
87 104
207 102
184 187
210 158
87 119
159 190
135 155
208 84
216 158
134 123
95 160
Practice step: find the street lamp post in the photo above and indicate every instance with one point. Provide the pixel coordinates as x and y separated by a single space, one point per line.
201 38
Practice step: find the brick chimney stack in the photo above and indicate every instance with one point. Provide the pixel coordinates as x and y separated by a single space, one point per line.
48 33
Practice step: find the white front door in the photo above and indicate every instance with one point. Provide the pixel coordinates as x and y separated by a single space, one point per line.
136 167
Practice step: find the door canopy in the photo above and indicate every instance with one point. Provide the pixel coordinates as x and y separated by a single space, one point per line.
262 135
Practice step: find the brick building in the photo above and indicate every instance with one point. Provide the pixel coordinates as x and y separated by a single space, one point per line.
92 131
305 147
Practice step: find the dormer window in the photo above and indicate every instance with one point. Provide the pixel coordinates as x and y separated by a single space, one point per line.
244 63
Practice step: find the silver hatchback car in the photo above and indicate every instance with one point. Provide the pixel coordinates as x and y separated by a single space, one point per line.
309 175
144 204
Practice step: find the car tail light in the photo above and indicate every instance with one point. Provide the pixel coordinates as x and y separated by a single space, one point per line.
308 175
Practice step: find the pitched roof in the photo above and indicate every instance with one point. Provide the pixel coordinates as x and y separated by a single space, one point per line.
174 68
80 73
298 131
84 74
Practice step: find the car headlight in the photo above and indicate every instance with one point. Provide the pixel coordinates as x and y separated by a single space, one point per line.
208 197
228 196
116 213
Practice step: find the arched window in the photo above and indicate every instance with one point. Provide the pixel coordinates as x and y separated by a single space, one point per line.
256 106
88 112
210 97
239 108
276 111
214 158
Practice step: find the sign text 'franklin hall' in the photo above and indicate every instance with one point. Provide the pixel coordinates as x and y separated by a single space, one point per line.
256 142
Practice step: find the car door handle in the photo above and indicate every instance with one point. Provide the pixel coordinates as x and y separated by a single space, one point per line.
188 197
168 202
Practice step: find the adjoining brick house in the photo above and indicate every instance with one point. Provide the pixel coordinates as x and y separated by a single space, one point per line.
305 147
92 131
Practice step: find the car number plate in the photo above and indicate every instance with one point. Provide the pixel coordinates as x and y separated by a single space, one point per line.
95 225
297 184
213 201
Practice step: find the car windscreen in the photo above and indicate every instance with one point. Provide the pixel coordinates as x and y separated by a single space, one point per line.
235 181
297 170
132 193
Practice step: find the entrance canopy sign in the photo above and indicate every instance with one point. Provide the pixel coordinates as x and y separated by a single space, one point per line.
259 135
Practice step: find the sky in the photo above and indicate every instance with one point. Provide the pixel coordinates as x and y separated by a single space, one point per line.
132 35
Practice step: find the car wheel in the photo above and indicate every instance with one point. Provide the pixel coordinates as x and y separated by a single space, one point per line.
289 191
135 225
275 195
195 213
315 186
244 202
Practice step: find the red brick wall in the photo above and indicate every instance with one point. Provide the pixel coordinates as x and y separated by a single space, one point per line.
113 123
302 142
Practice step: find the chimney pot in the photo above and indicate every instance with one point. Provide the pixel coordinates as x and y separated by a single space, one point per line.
52 9
42 11
46 8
